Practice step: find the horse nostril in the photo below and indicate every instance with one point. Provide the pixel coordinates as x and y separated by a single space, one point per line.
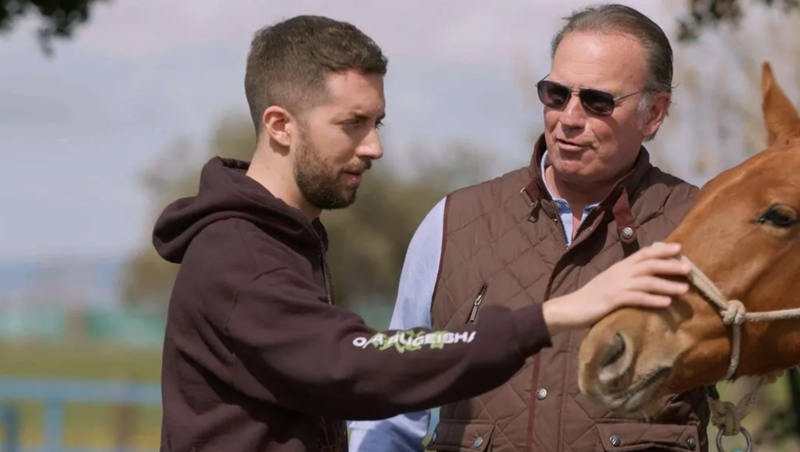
615 351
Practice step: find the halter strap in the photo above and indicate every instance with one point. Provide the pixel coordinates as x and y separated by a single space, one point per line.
733 312
726 416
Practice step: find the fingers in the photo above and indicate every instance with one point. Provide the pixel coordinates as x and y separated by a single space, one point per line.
658 250
650 291
658 286
661 267
645 300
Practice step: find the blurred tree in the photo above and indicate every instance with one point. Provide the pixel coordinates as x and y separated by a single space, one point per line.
705 14
368 239
727 95
59 18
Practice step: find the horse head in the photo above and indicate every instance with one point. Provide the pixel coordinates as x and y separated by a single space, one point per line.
743 236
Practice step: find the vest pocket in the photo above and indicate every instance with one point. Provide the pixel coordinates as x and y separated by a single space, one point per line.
640 436
461 436
476 305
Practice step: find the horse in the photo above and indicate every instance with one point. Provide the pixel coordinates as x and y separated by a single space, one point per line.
741 315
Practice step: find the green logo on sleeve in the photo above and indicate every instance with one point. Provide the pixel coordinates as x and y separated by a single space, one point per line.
409 341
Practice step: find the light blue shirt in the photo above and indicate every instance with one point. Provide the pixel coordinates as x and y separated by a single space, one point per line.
405 432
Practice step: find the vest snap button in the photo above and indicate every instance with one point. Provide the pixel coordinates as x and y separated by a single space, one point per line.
627 233
615 441
478 442
541 393
690 441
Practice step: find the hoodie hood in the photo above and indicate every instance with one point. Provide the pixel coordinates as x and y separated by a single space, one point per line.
226 192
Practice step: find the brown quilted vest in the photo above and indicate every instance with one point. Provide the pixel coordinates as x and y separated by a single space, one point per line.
503 239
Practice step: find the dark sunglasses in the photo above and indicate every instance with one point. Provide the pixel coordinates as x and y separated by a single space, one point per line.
601 103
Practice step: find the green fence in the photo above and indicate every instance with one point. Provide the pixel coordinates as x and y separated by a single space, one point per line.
122 325
118 325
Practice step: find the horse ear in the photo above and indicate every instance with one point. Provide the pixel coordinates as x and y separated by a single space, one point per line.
780 116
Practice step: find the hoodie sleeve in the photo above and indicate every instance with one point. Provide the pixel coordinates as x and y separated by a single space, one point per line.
297 351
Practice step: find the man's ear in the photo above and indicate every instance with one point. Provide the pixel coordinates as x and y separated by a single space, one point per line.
656 112
275 124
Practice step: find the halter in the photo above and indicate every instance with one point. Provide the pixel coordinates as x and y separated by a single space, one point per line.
726 416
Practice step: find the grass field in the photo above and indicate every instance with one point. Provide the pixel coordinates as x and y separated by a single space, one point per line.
85 425
94 425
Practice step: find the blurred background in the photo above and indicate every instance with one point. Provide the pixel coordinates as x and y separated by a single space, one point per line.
109 108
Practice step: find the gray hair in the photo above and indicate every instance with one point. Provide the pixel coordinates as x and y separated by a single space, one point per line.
615 18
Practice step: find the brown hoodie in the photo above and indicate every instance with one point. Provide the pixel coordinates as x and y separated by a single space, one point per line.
257 357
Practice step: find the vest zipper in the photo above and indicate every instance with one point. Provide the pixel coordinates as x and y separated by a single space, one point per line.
537 359
476 305
563 229
577 230
532 402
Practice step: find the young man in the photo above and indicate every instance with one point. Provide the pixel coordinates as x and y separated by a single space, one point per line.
257 355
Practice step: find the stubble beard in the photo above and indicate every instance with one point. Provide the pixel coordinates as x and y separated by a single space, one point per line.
318 183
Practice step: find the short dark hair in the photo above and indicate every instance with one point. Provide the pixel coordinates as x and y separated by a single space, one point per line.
288 62
615 18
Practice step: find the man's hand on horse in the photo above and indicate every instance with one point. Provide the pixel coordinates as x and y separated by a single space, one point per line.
636 281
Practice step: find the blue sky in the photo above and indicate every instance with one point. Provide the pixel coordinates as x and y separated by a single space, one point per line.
76 130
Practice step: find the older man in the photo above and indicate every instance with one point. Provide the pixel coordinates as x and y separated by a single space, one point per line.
589 197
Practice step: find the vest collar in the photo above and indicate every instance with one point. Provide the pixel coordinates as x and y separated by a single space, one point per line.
618 200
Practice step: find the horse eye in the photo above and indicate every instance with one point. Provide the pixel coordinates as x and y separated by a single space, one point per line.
783 218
